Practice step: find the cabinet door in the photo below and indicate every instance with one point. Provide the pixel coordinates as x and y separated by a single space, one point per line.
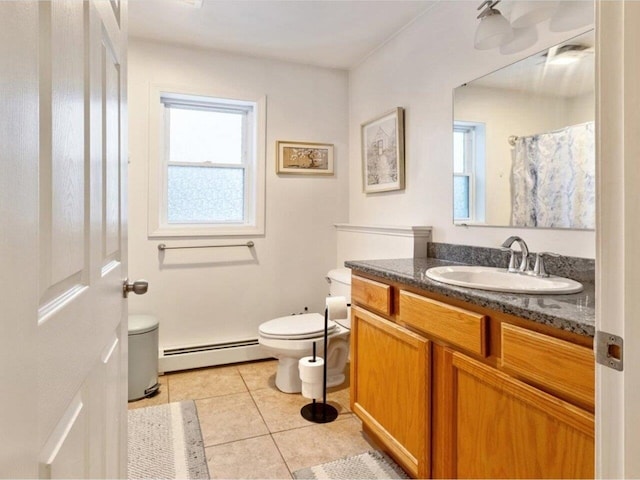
502 428
390 375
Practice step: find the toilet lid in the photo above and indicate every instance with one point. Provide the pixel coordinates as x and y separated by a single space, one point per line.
295 327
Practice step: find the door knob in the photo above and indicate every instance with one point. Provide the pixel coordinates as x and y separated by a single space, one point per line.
139 287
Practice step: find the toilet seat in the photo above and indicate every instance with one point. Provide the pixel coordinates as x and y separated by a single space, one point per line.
296 327
302 347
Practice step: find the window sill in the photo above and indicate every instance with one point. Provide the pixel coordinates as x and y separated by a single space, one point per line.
468 223
206 231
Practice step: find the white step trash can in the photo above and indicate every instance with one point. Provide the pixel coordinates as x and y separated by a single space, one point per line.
143 356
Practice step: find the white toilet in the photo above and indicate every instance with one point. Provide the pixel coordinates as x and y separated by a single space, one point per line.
290 338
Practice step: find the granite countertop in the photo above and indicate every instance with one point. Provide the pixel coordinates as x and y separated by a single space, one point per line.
573 312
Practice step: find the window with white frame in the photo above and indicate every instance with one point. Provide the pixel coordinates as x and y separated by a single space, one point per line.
209 177
468 172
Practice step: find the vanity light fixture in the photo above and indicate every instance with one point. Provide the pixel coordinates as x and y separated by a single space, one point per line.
527 13
521 32
523 39
494 30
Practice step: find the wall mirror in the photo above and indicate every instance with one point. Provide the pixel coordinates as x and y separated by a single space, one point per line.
523 137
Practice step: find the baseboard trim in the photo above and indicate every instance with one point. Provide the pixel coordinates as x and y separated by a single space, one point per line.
210 358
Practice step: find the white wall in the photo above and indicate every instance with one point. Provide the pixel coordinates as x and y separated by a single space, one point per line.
366 242
581 109
216 295
418 70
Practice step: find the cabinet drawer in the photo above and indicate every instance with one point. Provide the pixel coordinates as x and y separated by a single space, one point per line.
459 327
374 295
559 366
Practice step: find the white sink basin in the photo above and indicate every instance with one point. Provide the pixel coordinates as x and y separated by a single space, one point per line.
499 280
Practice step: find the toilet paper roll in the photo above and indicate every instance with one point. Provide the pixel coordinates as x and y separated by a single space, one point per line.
312 390
310 371
337 308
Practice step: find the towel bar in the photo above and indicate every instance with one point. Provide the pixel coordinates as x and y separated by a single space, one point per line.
162 247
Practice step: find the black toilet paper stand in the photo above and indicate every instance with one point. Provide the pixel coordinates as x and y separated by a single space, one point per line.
314 411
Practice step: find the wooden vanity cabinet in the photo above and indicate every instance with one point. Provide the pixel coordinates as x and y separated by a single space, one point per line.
499 427
390 388
452 392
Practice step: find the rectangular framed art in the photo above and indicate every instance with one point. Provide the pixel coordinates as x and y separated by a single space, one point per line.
304 158
383 152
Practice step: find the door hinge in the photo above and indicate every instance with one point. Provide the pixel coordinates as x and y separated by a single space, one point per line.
609 349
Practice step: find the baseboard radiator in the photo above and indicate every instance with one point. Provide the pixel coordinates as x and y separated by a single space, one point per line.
209 355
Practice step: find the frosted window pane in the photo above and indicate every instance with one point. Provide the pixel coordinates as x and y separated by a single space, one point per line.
205 195
200 136
460 197
458 152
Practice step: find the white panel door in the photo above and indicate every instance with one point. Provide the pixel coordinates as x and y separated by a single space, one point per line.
64 238
618 235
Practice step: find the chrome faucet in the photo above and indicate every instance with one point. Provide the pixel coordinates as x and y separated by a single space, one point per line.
524 264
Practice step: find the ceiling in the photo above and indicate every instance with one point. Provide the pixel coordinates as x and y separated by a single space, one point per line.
327 33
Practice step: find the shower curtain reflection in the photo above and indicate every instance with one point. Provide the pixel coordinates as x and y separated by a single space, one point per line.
553 179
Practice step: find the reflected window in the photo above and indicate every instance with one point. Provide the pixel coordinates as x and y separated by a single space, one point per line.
468 172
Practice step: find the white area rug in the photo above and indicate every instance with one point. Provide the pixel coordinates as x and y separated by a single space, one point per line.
166 442
369 465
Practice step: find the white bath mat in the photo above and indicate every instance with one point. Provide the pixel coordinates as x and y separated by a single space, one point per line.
369 465
165 441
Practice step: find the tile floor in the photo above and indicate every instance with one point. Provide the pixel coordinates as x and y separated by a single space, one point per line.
251 429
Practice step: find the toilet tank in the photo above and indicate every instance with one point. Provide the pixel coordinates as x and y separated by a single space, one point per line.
340 283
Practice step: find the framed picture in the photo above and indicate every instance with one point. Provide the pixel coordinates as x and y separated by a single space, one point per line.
304 158
383 152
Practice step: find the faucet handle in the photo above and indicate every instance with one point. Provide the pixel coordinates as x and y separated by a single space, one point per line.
539 269
512 259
